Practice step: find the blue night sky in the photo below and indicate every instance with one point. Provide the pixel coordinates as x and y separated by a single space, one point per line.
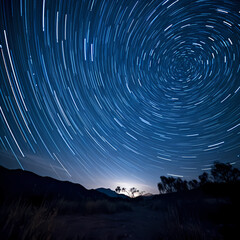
108 93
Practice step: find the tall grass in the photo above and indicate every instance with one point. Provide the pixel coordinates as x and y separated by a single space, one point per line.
183 225
21 220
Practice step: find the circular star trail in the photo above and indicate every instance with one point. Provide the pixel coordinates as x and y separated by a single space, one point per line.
107 92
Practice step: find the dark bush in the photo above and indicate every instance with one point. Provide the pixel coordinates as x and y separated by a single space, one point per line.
222 172
203 178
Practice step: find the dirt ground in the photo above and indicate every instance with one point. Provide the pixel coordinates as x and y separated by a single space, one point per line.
138 224
142 223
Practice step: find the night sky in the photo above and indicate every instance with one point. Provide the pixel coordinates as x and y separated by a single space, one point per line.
108 93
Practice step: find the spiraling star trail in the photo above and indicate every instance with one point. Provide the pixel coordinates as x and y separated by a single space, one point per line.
111 92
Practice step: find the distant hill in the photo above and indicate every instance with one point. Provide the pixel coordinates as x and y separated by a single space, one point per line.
111 193
15 183
148 195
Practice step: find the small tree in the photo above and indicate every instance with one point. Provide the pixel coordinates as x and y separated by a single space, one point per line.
180 185
125 191
118 189
161 188
168 184
131 192
193 184
171 184
222 172
203 178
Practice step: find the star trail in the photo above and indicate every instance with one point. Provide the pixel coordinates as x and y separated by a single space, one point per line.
112 92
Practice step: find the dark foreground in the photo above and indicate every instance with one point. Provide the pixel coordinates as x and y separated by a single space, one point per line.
33 207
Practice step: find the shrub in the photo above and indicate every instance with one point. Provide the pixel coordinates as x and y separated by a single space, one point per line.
170 184
222 172
20 220
203 178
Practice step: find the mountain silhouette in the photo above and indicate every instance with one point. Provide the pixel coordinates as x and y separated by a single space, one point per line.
111 193
15 183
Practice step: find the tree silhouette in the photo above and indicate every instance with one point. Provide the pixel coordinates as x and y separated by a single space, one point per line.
125 191
193 184
180 185
118 189
171 184
203 178
222 172
161 188
131 192
168 183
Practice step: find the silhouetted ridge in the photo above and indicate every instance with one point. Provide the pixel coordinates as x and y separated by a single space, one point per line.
111 193
15 183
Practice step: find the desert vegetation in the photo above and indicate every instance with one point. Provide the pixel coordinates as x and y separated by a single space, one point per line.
34 207
221 173
26 219
23 220
132 192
